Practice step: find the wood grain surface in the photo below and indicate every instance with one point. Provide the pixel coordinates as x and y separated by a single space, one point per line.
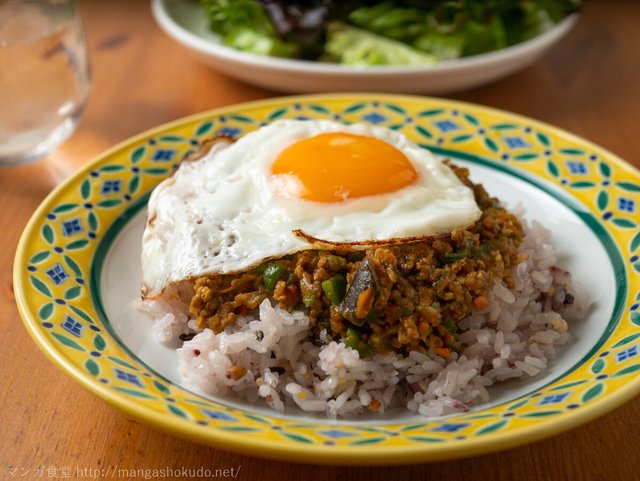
50 427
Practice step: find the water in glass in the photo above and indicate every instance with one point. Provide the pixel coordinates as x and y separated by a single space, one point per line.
44 76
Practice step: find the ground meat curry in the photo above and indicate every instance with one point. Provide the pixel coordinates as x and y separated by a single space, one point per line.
397 297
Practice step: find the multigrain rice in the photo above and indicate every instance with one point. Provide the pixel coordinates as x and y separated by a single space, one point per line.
515 336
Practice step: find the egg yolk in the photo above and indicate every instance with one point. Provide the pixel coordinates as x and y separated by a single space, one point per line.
334 167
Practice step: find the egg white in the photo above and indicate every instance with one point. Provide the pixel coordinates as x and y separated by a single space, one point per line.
220 214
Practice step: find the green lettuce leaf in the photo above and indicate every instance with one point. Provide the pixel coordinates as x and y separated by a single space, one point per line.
391 32
357 47
245 26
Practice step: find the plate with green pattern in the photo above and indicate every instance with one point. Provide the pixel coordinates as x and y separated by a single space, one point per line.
77 276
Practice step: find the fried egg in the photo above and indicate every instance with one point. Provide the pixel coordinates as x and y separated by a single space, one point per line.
294 185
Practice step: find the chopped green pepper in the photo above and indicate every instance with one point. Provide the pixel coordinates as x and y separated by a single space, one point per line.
335 288
452 257
353 341
272 274
450 326
483 250
308 296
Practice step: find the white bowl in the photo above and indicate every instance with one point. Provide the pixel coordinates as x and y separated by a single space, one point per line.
186 23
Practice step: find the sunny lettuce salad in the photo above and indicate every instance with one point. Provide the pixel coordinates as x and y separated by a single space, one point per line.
394 32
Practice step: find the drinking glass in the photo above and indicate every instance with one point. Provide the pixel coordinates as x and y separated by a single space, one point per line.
44 76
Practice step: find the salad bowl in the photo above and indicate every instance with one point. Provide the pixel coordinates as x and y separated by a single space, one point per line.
185 23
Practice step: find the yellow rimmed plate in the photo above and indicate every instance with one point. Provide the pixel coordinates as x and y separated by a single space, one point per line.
77 269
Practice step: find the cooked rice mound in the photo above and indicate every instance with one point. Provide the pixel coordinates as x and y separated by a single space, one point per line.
281 357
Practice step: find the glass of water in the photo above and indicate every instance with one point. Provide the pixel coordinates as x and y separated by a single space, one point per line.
44 76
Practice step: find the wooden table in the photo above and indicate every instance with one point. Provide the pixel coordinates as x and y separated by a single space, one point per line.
590 85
